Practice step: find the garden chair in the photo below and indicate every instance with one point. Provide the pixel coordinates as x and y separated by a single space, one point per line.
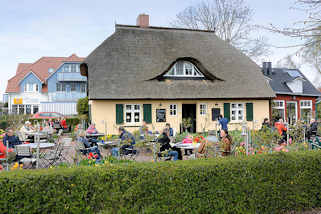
53 157
24 155
132 153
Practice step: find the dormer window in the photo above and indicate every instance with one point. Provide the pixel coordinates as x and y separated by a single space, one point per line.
183 69
296 86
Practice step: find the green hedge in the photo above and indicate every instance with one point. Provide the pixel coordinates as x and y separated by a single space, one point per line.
260 184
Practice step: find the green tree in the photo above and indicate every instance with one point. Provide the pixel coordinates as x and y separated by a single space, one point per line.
82 106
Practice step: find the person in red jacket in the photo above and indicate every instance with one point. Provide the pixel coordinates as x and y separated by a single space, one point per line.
282 130
63 123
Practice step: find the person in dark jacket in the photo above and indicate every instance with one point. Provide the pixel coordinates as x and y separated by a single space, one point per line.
127 139
11 139
223 122
165 145
313 129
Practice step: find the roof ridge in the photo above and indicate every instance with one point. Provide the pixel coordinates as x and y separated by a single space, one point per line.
162 28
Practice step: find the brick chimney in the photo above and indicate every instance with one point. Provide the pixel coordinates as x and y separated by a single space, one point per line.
142 20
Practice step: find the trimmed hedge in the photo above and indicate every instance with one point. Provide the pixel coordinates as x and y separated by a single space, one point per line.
258 184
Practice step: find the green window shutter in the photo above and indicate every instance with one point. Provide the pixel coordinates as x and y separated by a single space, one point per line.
227 111
249 111
147 113
119 113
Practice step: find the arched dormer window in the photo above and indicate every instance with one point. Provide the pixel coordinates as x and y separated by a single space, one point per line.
183 69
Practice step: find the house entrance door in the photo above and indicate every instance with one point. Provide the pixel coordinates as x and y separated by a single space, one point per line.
189 114
291 112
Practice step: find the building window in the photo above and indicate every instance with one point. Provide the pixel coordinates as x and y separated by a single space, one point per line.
173 109
83 88
73 68
306 110
237 112
67 68
278 109
28 109
184 69
61 87
132 113
35 109
29 87
21 109
72 86
15 109
203 109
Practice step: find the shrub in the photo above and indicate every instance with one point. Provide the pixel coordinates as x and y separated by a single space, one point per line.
82 106
258 184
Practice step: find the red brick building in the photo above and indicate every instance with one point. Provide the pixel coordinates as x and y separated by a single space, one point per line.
295 94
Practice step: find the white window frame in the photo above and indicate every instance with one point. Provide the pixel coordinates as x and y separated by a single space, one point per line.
306 107
237 109
67 68
132 111
280 107
203 111
195 71
173 109
33 86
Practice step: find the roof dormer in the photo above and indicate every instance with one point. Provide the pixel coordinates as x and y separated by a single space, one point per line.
296 85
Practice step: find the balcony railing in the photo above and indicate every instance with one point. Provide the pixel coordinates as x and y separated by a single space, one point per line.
65 96
71 76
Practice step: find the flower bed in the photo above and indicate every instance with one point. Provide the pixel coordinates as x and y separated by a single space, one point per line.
272 183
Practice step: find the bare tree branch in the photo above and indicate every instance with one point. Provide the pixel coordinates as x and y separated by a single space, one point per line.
231 21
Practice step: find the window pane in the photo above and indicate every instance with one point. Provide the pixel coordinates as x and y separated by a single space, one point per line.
233 106
171 72
28 109
128 117
188 69
21 109
136 117
66 68
128 107
136 107
35 109
179 68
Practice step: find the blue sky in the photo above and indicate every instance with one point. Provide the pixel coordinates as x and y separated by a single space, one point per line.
30 29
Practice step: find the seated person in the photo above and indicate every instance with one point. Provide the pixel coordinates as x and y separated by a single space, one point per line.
92 129
313 129
226 143
24 130
143 130
266 123
3 151
202 149
165 145
170 130
282 130
127 139
94 149
47 128
11 139
63 123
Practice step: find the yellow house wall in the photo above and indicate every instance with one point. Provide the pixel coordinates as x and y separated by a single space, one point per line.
104 114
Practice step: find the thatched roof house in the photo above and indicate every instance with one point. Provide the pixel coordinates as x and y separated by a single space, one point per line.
160 65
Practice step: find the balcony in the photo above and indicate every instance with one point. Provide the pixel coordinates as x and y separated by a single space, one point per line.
65 96
71 77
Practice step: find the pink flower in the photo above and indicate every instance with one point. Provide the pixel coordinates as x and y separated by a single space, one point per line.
242 144
278 148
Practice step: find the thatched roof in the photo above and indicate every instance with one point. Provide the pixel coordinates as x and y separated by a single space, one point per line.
127 66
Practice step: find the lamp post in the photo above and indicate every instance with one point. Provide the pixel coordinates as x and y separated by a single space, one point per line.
245 136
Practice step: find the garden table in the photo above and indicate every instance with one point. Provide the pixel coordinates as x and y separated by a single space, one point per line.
41 145
95 135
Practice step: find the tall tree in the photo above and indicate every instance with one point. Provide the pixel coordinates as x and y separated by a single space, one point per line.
308 30
231 21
